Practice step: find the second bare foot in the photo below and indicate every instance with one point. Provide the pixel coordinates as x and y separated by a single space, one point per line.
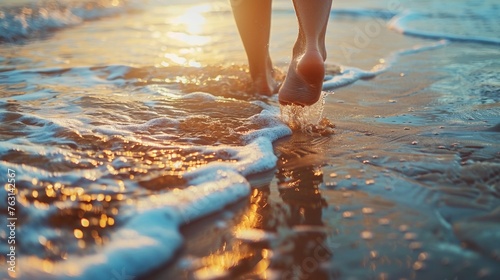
264 82
304 80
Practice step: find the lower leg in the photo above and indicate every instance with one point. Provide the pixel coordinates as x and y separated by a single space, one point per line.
253 19
306 72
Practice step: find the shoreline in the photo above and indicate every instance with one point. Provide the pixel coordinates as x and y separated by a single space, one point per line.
370 188
114 110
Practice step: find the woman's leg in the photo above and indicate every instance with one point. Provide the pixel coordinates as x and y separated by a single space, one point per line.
305 75
253 18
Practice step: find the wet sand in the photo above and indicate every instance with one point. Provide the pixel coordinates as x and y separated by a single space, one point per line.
103 117
402 190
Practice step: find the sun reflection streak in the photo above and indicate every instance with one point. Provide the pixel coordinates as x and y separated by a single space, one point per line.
193 19
238 255
187 30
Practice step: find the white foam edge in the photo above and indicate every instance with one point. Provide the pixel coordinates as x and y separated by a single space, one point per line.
151 237
16 23
273 129
401 21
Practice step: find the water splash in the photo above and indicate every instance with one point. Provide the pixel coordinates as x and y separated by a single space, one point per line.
308 119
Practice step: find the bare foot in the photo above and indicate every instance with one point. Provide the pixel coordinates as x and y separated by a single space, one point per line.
264 83
304 80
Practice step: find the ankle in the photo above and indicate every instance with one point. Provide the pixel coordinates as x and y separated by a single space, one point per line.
311 67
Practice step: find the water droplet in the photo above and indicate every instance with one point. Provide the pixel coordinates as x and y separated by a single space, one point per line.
347 214
410 236
331 184
415 245
78 233
384 221
403 228
418 265
367 210
367 235
84 222
42 240
423 256
347 194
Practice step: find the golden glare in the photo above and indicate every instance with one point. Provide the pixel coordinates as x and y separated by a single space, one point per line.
193 18
188 32
218 263
194 40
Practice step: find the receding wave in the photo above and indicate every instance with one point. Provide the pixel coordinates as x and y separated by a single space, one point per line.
439 25
132 161
402 24
32 19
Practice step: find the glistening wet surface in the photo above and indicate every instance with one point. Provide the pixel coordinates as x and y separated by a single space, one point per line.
404 189
139 151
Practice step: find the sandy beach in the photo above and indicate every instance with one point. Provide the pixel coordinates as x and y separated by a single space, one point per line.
131 148
391 195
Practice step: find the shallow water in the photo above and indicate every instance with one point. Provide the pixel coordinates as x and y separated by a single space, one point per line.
126 124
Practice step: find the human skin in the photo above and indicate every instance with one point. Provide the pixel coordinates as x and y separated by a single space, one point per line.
304 79
253 19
